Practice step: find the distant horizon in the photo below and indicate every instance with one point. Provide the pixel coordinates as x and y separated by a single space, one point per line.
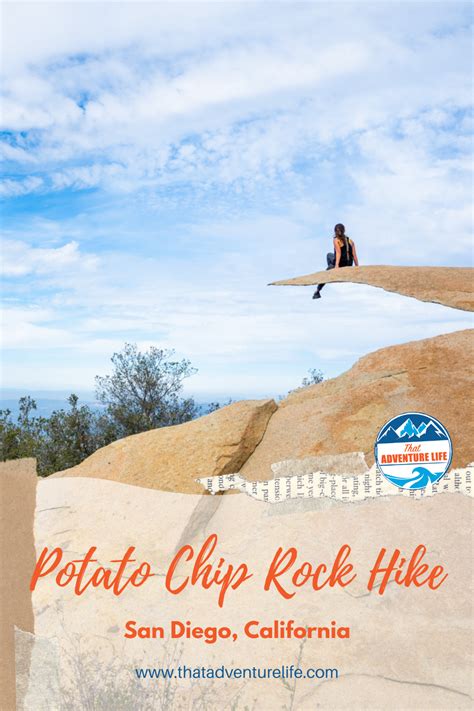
49 401
89 396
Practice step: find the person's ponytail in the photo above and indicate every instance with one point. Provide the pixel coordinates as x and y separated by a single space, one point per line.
343 237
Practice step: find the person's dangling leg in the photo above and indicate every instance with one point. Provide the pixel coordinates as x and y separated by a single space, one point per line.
317 293
331 260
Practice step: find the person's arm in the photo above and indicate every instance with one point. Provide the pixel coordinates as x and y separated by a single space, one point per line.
337 249
354 255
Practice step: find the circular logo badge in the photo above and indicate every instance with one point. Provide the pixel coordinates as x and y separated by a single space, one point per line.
413 450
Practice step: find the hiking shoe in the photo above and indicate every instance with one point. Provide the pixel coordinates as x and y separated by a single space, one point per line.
316 295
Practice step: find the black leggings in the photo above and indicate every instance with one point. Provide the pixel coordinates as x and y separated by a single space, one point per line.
331 260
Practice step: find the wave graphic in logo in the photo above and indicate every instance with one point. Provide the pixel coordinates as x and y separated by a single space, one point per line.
422 477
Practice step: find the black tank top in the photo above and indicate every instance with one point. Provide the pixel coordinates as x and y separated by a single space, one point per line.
347 257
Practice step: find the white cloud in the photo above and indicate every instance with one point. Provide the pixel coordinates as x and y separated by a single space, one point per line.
13 188
413 205
20 259
25 328
248 93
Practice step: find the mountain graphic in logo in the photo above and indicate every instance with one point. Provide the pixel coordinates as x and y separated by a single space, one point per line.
407 431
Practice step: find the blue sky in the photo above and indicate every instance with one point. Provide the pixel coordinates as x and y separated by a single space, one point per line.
164 161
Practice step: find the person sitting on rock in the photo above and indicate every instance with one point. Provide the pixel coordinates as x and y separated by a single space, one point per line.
344 254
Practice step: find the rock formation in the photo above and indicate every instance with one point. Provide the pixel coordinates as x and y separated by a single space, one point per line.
171 457
336 416
345 414
450 286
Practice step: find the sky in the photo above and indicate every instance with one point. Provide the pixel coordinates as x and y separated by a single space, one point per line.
163 162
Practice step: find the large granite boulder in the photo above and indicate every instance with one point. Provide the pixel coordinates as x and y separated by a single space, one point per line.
171 457
345 414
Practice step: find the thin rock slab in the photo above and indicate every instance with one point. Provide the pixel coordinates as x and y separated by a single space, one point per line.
450 286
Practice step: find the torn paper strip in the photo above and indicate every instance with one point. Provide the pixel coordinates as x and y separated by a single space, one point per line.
346 488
